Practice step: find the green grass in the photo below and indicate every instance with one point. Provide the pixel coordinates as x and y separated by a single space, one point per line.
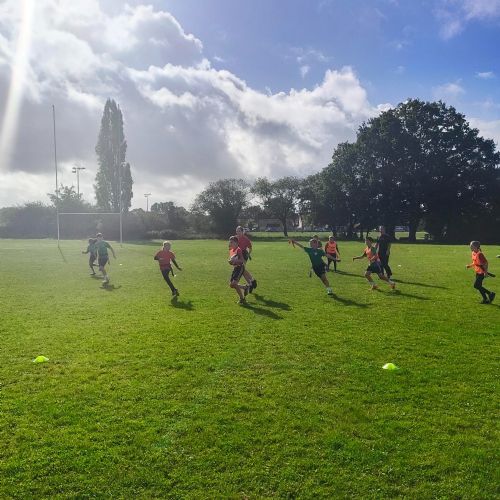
145 398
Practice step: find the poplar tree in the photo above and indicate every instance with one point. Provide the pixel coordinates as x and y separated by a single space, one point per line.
113 178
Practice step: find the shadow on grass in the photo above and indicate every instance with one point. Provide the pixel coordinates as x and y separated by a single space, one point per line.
271 303
62 255
348 302
261 311
345 273
110 288
179 304
409 295
426 285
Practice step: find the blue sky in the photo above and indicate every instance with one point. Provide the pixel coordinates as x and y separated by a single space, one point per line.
398 49
212 89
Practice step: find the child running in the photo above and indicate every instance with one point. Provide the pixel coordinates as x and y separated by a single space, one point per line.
374 265
332 253
102 256
246 247
165 257
92 251
238 262
480 265
316 255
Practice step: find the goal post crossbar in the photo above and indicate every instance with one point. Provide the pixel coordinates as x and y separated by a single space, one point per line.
91 213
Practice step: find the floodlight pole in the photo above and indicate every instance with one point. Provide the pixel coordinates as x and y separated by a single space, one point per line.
121 203
147 195
76 170
55 163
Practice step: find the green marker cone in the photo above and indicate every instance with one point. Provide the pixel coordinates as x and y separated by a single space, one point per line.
390 366
40 359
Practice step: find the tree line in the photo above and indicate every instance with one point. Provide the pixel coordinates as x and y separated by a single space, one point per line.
419 165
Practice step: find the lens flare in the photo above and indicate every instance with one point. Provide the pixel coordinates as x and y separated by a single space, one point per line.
20 68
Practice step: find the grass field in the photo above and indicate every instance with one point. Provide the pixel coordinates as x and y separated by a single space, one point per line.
202 398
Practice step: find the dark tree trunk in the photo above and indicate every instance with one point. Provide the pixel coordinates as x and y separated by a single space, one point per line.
285 229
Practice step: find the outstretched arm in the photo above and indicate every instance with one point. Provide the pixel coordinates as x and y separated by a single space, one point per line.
175 264
293 242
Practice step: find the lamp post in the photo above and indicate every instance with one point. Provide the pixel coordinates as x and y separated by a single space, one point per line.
147 195
76 170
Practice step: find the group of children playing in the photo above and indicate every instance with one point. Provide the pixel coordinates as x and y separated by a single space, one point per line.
240 248
98 249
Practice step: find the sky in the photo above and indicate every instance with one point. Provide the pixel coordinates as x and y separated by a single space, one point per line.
213 89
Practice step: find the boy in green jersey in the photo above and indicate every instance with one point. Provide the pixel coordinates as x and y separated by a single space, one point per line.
102 255
316 254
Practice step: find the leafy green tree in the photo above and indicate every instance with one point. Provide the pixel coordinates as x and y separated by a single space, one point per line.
113 178
69 201
223 202
280 198
174 217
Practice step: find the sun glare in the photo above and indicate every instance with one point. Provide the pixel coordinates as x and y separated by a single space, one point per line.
17 82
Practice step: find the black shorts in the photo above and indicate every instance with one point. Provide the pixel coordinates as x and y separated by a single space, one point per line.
331 256
103 261
319 270
92 257
375 267
237 273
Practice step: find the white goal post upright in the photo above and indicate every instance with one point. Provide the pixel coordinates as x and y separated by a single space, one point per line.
120 213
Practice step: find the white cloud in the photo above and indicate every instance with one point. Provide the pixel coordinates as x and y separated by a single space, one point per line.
304 70
454 15
488 129
186 123
448 91
485 75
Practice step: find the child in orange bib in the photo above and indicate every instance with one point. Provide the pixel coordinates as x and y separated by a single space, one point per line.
374 265
332 253
480 265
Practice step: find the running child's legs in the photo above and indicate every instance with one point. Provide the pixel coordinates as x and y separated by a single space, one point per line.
248 277
384 261
239 288
368 276
91 263
478 285
325 281
387 279
165 273
102 268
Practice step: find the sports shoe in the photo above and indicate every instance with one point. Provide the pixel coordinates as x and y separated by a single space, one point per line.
485 301
254 284
242 302
329 291
374 287
492 296
246 290
175 293
393 285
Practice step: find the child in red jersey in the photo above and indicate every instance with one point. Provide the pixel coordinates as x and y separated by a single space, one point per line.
165 258
246 247
374 264
238 262
332 253
480 265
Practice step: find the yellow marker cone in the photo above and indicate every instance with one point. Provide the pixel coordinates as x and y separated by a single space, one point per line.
40 359
390 366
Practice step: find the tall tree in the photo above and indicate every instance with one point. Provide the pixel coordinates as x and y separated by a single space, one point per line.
113 178
280 197
223 202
